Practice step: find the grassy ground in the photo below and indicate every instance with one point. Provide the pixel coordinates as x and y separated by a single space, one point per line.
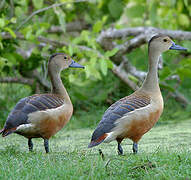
164 153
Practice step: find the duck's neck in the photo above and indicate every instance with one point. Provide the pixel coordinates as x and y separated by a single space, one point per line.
57 86
151 83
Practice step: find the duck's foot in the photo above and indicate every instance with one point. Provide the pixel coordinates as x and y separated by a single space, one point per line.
135 148
120 149
46 145
30 144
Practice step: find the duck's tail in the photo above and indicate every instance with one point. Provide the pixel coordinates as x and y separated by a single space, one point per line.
6 132
97 141
1 131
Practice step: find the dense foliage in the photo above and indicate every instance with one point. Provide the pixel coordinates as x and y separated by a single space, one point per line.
27 41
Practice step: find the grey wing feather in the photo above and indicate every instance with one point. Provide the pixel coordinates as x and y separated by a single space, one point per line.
19 115
116 111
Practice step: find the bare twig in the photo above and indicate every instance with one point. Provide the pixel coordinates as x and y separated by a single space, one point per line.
132 69
121 73
2 4
20 80
70 27
12 8
6 35
107 163
46 8
113 33
101 154
179 97
42 81
131 44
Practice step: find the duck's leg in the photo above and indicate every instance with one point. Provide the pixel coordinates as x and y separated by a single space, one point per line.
30 144
46 145
135 148
119 147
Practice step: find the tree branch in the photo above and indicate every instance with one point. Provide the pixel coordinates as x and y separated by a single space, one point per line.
132 69
119 71
6 35
131 44
2 4
20 80
36 75
12 12
45 9
70 27
113 33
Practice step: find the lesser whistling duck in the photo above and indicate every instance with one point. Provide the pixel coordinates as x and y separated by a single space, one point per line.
43 115
132 116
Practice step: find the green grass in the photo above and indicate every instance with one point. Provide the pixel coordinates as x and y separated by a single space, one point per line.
164 153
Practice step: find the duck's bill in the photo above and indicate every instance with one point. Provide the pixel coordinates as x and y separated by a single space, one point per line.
75 65
177 47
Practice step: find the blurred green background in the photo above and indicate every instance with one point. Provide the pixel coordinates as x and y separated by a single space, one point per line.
24 53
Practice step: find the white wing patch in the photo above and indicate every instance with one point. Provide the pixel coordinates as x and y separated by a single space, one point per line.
38 116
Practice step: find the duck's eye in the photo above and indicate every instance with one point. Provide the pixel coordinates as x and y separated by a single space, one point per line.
165 40
65 58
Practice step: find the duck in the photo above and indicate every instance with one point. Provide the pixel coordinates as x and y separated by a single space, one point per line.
134 115
43 115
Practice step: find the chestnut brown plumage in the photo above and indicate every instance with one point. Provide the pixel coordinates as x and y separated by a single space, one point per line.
132 116
43 115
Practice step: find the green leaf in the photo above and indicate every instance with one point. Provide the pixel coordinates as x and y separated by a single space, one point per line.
92 71
109 64
70 50
2 22
10 57
184 72
133 78
168 87
88 71
111 53
10 31
103 66
137 10
185 62
61 17
97 26
29 35
153 12
183 20
38 4
187 44
116 8
186 3
3 61
1 45
13 20
93 61
165 73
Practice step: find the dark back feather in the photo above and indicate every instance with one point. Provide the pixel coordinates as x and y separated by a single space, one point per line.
19 115
118 110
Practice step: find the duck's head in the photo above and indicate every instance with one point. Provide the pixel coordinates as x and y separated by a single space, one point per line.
162 43
61 61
